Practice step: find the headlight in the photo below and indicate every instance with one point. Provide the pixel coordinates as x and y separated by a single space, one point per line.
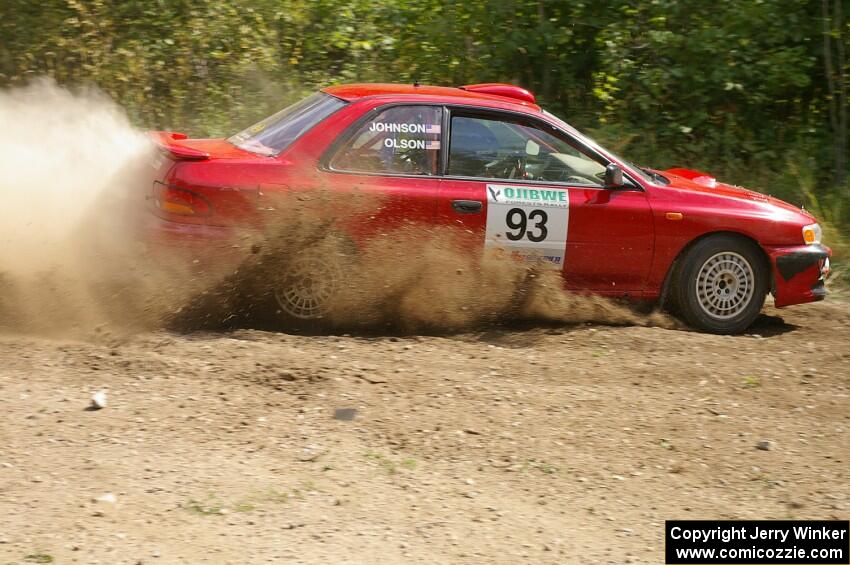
812 234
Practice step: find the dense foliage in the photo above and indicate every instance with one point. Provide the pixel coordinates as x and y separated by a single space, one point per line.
752 90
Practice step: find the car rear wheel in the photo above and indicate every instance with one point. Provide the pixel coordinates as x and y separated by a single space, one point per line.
305 286
721 284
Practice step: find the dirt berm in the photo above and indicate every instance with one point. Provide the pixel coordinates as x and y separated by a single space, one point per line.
537 444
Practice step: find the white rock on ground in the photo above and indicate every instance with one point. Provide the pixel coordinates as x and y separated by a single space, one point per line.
98 399
107 498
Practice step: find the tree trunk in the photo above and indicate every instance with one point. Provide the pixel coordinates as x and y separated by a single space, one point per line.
833 32
543 39
841 67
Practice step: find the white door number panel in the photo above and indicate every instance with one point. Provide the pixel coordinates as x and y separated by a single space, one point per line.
529 223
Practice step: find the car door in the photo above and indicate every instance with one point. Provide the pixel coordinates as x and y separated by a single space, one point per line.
388 162
521 185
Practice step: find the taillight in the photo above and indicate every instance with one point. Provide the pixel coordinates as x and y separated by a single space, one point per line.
170 200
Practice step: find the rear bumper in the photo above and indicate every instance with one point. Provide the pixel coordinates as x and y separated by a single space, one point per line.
198 245
799 273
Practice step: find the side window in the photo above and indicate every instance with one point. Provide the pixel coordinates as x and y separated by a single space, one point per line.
399 140
504 148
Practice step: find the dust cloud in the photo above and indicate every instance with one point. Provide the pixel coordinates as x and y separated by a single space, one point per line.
72 169
59 152
420 279
69 163
414 278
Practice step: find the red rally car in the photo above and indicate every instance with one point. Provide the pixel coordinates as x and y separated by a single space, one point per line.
486 159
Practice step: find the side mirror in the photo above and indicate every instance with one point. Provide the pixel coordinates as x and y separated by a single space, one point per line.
613 176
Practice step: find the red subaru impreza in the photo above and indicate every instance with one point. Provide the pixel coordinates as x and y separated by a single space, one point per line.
487 160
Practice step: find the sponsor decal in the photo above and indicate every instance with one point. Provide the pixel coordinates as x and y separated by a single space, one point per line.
393 127
405 143
525 195
530 224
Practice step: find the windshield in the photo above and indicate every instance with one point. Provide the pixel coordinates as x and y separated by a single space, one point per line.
644 174
274 134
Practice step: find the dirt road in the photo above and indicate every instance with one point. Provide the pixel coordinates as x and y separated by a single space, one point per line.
543 444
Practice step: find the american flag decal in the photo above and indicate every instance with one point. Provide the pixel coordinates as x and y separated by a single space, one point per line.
432 145
433 128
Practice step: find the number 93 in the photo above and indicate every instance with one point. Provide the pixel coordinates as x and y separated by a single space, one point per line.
518 221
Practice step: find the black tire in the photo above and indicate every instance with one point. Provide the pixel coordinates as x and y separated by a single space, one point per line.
720 284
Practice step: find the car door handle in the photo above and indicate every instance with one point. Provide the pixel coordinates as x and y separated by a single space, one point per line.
467 206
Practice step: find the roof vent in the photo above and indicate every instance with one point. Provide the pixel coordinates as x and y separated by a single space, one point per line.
502 89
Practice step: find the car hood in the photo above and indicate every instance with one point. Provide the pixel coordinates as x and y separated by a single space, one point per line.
698 181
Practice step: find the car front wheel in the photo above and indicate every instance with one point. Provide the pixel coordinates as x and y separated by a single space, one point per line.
721 284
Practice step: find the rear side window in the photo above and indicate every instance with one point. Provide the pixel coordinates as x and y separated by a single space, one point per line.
399 140
275 133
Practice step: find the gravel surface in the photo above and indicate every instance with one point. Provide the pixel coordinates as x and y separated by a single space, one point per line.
543 444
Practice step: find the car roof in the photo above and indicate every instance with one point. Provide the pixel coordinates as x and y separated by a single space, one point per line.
481 93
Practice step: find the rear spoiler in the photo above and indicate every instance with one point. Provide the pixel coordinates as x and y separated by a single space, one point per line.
166 141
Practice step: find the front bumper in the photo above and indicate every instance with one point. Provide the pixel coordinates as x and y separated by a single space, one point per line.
799 273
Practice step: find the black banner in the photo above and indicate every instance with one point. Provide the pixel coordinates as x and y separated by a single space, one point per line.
757 542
